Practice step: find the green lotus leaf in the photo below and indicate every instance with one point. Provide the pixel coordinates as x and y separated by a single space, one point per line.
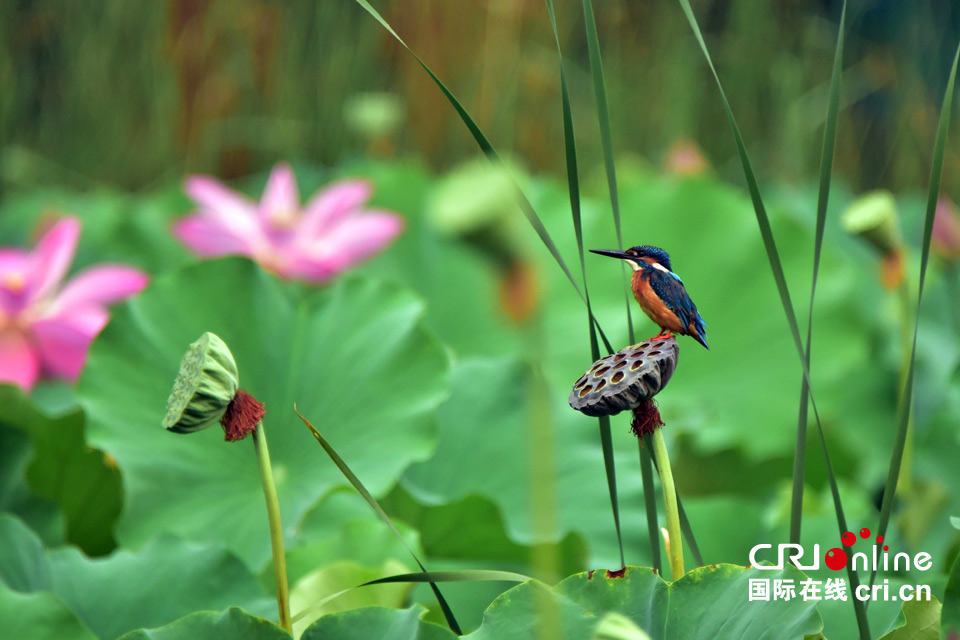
16 495
488 414
23 561
352 356
39 616
375 622
820 527
920 620
166 580
82 482
709 602
344 576
232 623
469 534
343 528
950 615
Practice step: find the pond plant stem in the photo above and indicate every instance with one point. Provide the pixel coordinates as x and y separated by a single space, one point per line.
951 276
905 481
276 530
650 502
675 546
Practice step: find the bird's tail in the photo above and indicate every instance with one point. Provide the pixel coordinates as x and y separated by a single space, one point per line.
701 331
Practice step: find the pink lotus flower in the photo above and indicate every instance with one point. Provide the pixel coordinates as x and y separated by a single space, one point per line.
684 158
46 330
333 232
946 229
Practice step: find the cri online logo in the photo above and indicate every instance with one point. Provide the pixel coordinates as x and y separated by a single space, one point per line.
836 558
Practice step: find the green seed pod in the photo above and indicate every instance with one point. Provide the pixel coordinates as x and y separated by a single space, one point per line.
874 218
207 382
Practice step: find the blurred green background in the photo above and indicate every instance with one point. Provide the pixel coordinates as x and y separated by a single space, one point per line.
134 94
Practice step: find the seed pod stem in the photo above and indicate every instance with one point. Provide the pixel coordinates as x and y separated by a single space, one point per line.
672 512
276 530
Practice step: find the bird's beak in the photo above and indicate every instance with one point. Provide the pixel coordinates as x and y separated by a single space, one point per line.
623 255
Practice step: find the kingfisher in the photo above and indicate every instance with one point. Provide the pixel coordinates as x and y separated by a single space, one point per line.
661 293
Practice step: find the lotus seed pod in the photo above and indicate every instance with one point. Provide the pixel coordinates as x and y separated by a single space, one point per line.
874 218
207 382
626 379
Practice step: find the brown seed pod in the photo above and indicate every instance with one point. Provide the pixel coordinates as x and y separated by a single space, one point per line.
626 379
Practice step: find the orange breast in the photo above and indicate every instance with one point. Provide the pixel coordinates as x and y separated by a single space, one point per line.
653 306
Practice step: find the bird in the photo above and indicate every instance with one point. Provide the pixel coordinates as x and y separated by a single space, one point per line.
660 292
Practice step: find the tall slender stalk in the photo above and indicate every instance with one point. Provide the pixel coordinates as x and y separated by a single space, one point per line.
276 530
826 172
933 192
675 546
905 482
650 502
573 187
951 275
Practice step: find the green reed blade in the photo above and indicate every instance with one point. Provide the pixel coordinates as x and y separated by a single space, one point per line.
650 506
773 257
573 185
491 154
362 490
464 575
467 575
606 141
688 533
933 193
826 171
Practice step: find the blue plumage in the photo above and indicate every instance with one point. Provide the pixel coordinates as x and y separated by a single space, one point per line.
656 253
669 288
660 292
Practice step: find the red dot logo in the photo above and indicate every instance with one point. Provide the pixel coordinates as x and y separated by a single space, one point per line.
864 533
836 558
848 539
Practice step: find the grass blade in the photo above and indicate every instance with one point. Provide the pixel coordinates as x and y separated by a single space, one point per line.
492 155
606 141
362 490
466 575
773 256
573 185
933 193
650 506
472 575
688 533
826 170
